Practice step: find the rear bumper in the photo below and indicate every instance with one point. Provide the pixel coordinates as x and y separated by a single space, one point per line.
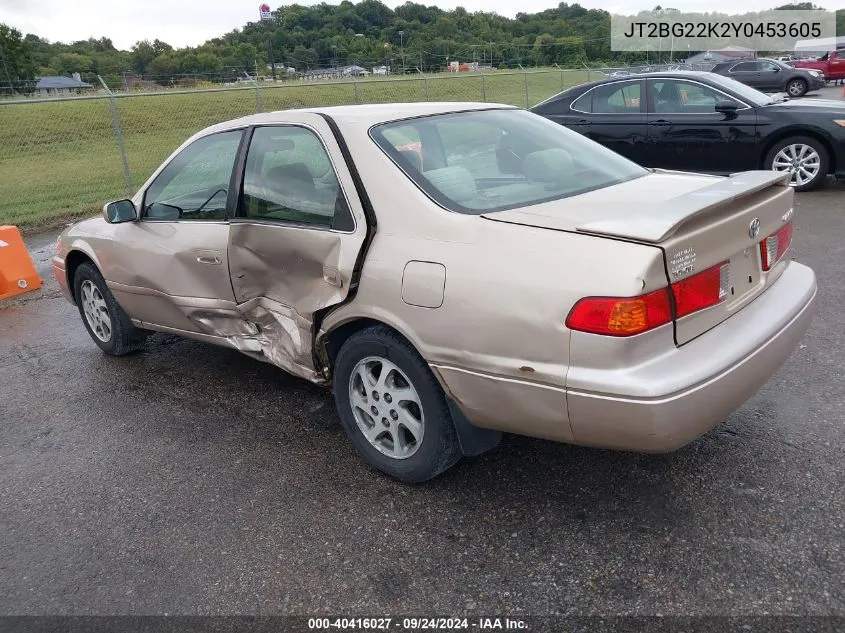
683 394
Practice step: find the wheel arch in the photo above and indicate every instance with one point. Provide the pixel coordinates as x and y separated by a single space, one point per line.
798 78
73 260
810 133
473 440
329 342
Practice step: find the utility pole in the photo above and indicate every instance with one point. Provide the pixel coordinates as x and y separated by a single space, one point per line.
9 77
267 17
402 49
271 55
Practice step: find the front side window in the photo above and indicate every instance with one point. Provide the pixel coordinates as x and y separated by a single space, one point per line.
685 97
289 177
746 93
613 98
492 160
195 184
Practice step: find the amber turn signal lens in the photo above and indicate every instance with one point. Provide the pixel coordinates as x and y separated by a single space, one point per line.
620 316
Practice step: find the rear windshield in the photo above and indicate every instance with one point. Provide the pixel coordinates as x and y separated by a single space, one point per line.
493 160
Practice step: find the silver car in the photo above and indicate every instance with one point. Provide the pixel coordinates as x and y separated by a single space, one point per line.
452 272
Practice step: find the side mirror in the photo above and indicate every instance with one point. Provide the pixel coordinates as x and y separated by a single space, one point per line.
120 211
727 107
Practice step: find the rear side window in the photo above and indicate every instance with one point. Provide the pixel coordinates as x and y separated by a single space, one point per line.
289 177
614 98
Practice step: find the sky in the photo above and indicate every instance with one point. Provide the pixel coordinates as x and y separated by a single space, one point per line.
191 23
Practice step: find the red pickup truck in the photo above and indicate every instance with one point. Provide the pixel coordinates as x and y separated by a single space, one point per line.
832 64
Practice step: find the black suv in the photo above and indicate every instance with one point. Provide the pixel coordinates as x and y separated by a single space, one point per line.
770 75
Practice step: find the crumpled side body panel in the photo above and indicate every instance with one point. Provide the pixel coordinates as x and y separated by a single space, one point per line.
266 330
282 276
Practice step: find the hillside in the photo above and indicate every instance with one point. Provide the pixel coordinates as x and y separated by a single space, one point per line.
413 36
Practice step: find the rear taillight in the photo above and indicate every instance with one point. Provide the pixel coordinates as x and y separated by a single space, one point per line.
775 246
627 316
700 291
620 316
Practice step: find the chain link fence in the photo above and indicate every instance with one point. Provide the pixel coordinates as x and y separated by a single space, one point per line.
65 156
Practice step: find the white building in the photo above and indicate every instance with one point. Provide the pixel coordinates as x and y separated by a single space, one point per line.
822 45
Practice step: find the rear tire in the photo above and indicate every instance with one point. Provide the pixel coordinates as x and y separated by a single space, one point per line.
796 87
804 157
107 324
392 407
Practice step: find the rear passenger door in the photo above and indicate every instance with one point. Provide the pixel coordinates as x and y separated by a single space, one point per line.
614 115
295 238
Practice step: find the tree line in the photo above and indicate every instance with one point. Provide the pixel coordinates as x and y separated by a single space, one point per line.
411 37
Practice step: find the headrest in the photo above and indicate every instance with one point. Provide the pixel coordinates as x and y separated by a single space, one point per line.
413 157
454 182
297 171
548 165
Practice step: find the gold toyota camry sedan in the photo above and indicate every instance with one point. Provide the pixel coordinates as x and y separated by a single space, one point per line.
453 271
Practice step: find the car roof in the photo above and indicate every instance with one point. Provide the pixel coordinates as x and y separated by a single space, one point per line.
366 114
578 90
668 74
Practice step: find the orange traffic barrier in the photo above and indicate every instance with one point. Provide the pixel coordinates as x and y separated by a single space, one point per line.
17 272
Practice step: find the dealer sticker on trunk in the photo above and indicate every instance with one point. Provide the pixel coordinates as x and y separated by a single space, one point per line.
683 262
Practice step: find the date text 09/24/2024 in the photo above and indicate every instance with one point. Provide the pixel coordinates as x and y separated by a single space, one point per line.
416 624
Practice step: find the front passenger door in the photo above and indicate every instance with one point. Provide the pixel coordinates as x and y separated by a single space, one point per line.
296 237
770 77
685 132
171 265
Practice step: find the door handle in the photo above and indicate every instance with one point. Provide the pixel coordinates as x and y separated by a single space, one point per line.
209 259
659 122
583 122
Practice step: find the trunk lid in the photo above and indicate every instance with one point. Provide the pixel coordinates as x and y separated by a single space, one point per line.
703 224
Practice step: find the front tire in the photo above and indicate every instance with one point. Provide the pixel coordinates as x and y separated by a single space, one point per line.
796 87
805 158
392 407
109 326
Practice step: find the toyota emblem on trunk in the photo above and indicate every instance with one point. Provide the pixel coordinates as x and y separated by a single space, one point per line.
754 228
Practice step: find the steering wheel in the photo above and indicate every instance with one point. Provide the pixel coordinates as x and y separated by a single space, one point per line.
202 206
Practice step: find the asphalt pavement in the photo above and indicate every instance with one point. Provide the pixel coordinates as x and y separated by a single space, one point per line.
189 479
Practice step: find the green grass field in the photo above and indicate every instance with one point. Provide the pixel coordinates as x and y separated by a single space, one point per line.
60 160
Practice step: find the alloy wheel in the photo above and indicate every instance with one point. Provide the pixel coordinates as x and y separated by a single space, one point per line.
801 161
386 407
96 311
795 89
